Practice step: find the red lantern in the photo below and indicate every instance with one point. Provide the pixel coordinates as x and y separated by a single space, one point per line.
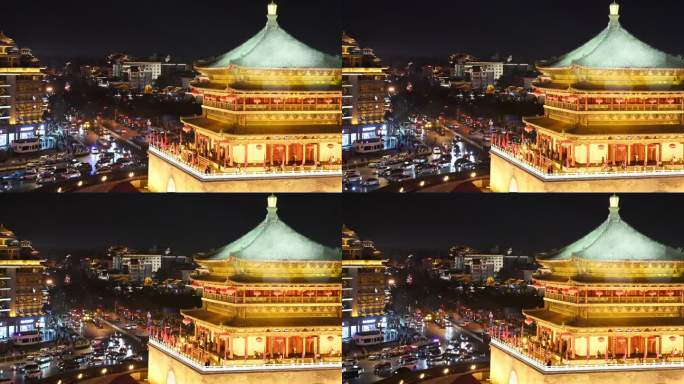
328 293
277 293
672 338
598 293
277 101
259 147
331 146
670 101
186 321
257 293
601 339
572 291
257 101
670 293
601 146
310 101
328 101
652 293
230 291
652 101
528 321
259 339
619 293
619 101
599 101
330 338
310 293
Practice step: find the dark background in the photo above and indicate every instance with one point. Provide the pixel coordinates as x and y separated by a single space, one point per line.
527 222
186 223
528 29
189 29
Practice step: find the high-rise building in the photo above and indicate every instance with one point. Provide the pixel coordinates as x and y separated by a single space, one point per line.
271 121
271 313
22 98
364 93
363 285
22 286
613 121
612 313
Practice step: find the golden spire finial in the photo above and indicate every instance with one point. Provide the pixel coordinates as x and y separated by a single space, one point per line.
614 12
272 205
614 205
272 14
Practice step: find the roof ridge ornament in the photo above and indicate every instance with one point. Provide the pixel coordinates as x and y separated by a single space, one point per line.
272 14
614 15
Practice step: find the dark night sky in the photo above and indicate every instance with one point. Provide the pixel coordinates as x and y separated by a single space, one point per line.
533 29
186 223
193 29
526 222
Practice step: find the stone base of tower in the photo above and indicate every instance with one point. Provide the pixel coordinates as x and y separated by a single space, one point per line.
166 369
507 177
508 369
164 176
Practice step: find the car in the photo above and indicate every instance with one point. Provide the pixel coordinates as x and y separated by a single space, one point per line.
348 374
437 361
374 356
104 170
46 178
399 178
16 175
32 371
31 174
350 363
71 174
68 365
354 179
383 369
371 182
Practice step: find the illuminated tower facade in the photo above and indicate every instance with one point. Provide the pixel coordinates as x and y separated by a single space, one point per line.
271 313
271 121
613 313
613 121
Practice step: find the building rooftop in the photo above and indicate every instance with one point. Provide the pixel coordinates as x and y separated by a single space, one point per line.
604 322
273 240
604 129
283 322
237 129
273 47
615 47
616 240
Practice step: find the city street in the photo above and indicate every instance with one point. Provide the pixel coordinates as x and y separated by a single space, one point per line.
433 332
444 154
53 359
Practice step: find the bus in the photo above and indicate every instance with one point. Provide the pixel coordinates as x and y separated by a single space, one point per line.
26 145
369 145
27 337
369 338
